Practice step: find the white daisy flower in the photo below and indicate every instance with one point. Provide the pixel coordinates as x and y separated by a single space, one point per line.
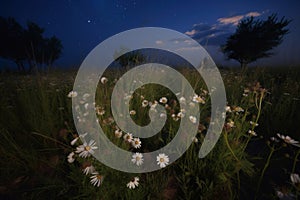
136 143
128 137
253 123
72 94
162 160
162 115
137 159
230 123
100 110
238 109
145 103
180 115
86 149
89 169
133 183
287 139
132 112
253 133
96 179
198 99
193 119
163 100
118 133
195 140
295 178
182 100
71 158
103 80
228 109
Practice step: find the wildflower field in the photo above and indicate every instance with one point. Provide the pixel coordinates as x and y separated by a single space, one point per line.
256 157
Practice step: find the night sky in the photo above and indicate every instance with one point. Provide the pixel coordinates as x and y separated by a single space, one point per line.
82 25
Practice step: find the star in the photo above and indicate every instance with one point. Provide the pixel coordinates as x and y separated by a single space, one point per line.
89 21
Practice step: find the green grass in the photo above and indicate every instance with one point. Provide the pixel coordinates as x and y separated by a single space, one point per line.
36 126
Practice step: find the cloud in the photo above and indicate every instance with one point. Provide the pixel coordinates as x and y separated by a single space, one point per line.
190 33
235 19
216 34
231 20
159 42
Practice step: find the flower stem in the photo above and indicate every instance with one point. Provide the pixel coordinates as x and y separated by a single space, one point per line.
264 170
228 146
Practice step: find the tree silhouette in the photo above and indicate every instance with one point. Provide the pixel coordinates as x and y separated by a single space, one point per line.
255 39
12 41
20 45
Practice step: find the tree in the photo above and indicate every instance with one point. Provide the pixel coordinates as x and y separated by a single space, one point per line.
12 41
255 39
20 45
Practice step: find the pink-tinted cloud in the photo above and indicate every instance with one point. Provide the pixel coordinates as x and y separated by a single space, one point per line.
234 20
191 33
231 20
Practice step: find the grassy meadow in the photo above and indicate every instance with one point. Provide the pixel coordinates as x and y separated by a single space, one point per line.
253 159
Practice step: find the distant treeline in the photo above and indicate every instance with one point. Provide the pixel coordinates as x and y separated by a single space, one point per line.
27 47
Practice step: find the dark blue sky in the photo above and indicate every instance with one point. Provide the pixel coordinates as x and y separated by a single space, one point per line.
81 25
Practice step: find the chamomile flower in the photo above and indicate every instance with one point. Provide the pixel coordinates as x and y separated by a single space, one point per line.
287 139
88 169
103 80
253 133
100 110
96 179
145 103
133 183
180 114
72 94
230 123
86 149
195 140
163 100
193 119
132 112
137 159
198 99
295 178
162 160
238 109
253 123
118 133
136 143
182 100
128 137
71 158
228 109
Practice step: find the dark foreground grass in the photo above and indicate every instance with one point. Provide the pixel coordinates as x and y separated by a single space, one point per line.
37 127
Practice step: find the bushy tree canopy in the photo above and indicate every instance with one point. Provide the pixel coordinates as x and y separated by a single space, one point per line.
255 39
27 44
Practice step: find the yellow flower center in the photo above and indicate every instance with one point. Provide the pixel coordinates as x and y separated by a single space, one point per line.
99 177
161 160
87 148
136 142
